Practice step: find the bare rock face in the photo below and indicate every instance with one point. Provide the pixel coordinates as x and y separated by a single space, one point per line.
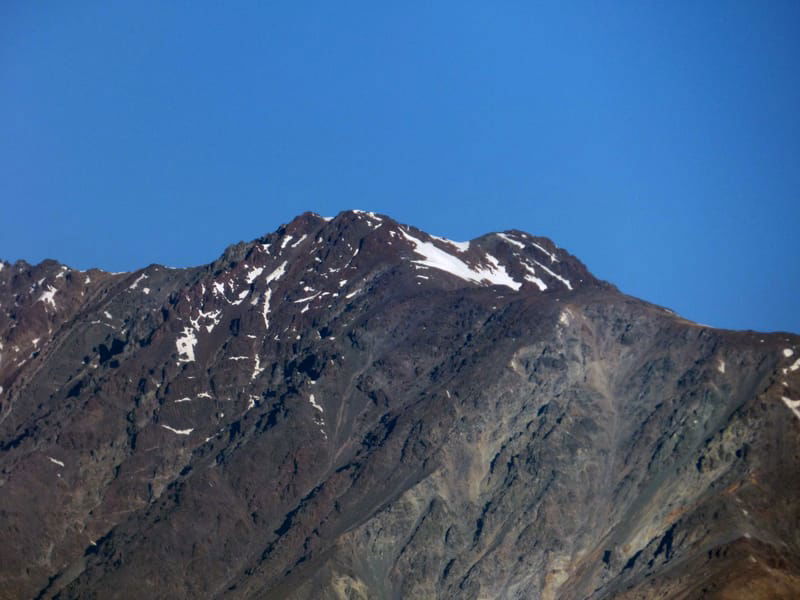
351 408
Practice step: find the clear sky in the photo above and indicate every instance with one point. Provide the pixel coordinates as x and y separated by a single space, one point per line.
657 141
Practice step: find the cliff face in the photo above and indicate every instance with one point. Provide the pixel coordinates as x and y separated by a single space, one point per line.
351 408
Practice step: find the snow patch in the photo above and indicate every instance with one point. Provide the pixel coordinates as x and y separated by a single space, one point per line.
178 431
55 461
185 345
550 254
794 405
436 258
307 299
47 296
274 276
314 403
257 369
204 395
179 400
721 366
213 316
787 352
141 277
531 276
300 241
510 241
242 295
556 275
253 274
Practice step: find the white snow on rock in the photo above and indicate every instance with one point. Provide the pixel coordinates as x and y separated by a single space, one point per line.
721 366
178 431
556 275
285 241
314 403
307 298
531 276
563 318
498 275
793 367
185 344
141 277
257 369
204 395
369 215
47 296
213 315
436 258
300 241
242 295
787 352
550 254
55 461
253 274
179 400
238 357
274 276
510 240
794 405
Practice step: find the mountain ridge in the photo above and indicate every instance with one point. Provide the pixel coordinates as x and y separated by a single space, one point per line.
354 408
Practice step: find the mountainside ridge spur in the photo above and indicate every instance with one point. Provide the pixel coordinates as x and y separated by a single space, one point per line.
353 383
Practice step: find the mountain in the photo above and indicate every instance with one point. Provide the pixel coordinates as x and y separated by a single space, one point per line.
352 408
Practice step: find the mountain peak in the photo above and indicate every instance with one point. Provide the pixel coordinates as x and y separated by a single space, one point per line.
514 259
352 406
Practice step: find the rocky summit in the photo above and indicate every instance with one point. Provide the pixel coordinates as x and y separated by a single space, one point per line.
350 408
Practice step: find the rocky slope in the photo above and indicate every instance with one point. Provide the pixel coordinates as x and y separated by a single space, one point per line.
351 408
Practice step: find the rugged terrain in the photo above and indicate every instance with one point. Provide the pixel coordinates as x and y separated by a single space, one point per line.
352 408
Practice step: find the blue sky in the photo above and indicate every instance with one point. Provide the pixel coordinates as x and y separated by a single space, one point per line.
658 142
